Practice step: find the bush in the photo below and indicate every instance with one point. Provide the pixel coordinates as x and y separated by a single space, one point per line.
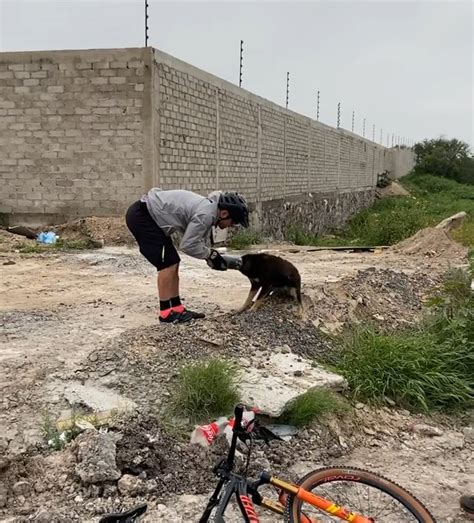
311 405
389 221
425 368
245 238
443 157
206 390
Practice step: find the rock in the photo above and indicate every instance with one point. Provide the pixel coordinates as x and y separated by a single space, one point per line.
24 509
129 485
368 431
4 463
109 491
453 222
3 495
359 406
44 516
98 399
426 430
468 435
96 456
21 488
272 388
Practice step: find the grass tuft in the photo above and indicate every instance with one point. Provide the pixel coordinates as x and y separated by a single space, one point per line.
206 390
430 367
311 405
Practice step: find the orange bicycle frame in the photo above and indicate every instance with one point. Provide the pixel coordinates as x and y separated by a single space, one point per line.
316 501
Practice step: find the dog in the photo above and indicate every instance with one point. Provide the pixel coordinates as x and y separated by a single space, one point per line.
268 273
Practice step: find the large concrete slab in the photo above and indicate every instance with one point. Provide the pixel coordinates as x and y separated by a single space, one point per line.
96 398
281 379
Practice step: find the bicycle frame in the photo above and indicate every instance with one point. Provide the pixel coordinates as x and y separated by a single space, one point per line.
247 494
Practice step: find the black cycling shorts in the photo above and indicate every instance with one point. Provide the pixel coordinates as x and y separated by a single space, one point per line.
157 248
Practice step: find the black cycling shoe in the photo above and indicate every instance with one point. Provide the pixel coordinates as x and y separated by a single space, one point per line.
178 317
196 315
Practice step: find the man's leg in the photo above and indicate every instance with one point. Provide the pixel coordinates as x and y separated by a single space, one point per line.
168 290
168 282
158 249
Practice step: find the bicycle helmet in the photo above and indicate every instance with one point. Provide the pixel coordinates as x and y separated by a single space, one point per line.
236 206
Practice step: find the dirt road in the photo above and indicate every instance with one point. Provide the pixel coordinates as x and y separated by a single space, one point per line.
57 310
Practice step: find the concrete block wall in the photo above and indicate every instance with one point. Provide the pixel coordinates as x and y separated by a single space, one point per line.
87 132
72 131
228 138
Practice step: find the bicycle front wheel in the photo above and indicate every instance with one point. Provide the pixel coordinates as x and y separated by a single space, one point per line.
359 491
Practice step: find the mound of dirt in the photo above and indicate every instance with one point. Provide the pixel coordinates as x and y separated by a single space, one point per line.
394 189
150 355
112 231
155 463
12 242
392 299
431 242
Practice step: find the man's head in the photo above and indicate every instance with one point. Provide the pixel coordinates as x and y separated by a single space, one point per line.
232 210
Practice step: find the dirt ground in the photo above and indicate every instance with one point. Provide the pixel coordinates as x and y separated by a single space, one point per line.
90 317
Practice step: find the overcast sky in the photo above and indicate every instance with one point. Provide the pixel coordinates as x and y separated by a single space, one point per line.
406 67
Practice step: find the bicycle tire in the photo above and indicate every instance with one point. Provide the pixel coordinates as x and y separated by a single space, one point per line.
328 475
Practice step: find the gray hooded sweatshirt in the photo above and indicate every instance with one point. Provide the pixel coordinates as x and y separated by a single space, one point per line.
185 212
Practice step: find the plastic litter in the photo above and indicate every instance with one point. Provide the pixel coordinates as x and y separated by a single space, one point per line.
47 237
285 432
205 435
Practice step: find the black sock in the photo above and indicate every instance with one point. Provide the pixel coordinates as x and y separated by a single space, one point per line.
175 302
164 305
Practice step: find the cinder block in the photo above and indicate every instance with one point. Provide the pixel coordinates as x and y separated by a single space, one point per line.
31 81
101 65
99 80
117 65
56 89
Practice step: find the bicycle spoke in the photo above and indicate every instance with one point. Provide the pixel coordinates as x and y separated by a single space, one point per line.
362 499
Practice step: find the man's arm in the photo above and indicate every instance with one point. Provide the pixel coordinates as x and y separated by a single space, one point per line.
193 242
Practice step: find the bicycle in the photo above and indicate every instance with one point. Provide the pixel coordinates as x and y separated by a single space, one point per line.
296 501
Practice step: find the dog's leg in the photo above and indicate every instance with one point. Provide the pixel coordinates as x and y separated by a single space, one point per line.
295 292
300 302
261 297
249 301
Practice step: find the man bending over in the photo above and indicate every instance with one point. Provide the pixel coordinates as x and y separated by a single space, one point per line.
157 215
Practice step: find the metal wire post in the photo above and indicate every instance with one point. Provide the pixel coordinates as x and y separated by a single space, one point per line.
317 108
241 56
146 23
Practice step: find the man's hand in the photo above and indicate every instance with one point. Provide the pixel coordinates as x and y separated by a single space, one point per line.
216 261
